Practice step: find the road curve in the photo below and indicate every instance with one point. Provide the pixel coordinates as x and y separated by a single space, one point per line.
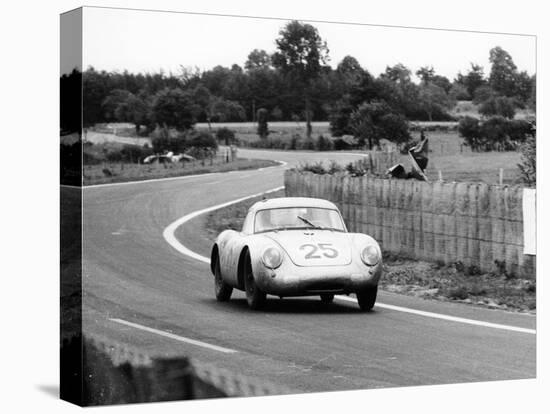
139 290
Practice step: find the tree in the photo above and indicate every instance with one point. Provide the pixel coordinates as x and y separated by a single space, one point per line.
500 105
483 93
398 73
174 108
474 79
263 129
459 93
426 74
433 99
339 118
532 101
300 56
258 58
503 72
225 135
133 109
523 86
111 103
202 98
222 110
374 121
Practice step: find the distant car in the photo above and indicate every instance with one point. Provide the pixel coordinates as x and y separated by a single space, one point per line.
168 157
294 246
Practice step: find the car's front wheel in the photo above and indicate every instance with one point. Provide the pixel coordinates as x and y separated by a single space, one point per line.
367 297
223 290
255 297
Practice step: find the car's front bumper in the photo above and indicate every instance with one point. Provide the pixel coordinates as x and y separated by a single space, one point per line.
291 280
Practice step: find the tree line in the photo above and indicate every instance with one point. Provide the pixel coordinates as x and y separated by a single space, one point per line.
295 82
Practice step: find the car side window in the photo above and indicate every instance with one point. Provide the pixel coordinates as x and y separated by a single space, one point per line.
247 225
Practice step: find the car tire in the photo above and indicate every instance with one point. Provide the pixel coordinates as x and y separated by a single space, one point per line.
254 295
327 298
366 298
223 290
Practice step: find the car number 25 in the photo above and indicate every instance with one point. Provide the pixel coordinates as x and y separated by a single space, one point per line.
314 251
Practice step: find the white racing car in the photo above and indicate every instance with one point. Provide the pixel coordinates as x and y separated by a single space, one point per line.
296 246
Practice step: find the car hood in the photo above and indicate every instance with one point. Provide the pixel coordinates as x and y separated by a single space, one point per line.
314 247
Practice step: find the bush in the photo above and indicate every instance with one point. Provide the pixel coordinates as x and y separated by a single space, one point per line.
202 140
225 135
324 144
339 117
164 140
469 129
306 144
482 94
114 156
528 165
315 168
134 153
500 106
346 142
263 129
459 93
494 132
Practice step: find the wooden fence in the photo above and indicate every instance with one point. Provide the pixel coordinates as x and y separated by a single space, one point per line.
477 225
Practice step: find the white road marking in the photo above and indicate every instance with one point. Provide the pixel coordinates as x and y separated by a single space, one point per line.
169 236
445 317
176 337
169 231
283 163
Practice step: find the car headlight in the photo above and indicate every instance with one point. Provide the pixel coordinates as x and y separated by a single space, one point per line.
272 257
370 255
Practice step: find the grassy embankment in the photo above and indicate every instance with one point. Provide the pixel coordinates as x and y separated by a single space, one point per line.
122 172
417 278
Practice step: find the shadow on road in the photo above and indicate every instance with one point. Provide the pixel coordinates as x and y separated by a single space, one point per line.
294 306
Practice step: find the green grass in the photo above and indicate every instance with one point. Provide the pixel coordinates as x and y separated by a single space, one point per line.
122 172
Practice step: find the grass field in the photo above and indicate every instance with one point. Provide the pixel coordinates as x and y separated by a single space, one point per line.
414 277
121 172
458 163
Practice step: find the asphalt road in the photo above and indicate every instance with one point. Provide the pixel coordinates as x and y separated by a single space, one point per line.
132 274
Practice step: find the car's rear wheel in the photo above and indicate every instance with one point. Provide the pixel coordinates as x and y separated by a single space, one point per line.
367 297
254 295
223 290
327 297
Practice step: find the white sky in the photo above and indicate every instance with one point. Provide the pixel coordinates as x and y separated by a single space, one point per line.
141 41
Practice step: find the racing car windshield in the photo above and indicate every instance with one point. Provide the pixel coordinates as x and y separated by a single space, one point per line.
297 218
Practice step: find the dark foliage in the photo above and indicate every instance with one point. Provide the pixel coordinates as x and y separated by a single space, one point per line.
225 135
263 129
495 133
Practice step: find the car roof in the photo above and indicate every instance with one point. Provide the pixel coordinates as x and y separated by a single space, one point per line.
284 202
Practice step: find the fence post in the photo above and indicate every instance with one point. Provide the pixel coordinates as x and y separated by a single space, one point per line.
484 228
438 222
427 220
462 202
